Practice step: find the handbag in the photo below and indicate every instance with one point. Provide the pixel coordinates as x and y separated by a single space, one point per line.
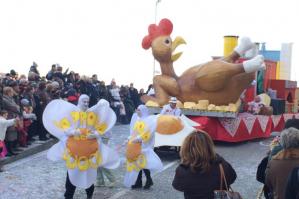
260 173
228 192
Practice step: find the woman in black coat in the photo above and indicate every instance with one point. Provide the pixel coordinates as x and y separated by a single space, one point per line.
198 175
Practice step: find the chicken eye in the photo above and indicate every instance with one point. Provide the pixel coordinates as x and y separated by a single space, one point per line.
167 41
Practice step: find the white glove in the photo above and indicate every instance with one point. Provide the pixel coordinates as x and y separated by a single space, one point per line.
137 140
73 132
128 138
93 135
126 141
77 132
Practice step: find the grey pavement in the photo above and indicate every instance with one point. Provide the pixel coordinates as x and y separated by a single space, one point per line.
38 178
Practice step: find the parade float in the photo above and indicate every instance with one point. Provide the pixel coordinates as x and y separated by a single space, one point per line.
209 94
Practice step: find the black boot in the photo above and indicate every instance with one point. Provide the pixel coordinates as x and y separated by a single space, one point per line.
138 183
149 181
10 151
89 192
69 188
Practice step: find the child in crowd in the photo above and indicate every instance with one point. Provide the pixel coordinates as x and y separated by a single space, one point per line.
4 124
28 118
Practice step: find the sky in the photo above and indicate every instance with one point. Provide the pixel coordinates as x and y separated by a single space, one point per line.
104 37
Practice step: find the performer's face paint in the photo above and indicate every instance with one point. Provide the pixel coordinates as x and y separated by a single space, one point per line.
138 112
83 102
142 111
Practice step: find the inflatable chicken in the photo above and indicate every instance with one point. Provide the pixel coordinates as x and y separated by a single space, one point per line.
219 81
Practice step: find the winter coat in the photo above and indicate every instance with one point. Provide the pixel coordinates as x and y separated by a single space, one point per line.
13 111
278 170
292 188
199 184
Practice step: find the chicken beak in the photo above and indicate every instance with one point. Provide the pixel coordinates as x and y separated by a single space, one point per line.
178 41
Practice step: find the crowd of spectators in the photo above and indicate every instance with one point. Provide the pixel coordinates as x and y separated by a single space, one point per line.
25 98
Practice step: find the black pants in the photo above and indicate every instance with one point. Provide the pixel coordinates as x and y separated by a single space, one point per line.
32 130
147 175
10 147
70 189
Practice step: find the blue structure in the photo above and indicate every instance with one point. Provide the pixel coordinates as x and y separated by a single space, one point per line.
273 55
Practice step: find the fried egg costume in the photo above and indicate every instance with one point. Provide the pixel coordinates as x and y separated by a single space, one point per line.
79 131
172 130
140 154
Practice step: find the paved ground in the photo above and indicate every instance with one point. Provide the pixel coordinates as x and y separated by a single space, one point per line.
38 178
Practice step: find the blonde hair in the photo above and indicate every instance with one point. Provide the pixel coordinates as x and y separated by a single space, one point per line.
7 90
198 151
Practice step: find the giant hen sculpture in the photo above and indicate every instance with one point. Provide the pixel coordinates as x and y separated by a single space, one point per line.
219 81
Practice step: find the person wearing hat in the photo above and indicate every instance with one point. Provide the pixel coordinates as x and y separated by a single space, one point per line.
13 74
171 108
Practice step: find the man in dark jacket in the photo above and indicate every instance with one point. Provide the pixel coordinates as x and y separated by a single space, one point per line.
50 74
134 95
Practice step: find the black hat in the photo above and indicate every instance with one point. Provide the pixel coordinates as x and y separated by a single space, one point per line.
13 72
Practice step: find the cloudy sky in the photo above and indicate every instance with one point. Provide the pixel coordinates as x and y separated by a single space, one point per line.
104 37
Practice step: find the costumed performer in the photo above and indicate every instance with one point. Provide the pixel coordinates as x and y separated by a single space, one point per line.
140 154
171 108
79 130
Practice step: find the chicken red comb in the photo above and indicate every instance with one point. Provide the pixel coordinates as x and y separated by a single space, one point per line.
164 28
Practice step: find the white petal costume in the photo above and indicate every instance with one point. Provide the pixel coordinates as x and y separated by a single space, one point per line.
82 155
140 154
